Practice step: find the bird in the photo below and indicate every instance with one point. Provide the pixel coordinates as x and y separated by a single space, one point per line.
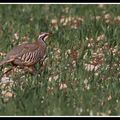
27 55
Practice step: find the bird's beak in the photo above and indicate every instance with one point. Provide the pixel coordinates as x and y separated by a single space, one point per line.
49 34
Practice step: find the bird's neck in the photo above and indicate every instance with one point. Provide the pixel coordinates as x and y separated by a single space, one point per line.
41 42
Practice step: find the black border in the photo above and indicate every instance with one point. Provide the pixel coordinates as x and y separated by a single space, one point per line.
60 1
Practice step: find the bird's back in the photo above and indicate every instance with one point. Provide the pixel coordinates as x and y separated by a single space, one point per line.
26 54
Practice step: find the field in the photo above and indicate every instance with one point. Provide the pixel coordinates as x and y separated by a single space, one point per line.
81 74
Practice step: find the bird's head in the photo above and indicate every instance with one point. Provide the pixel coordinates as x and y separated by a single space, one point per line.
44 35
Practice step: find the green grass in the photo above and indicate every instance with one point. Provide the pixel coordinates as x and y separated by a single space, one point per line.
86 92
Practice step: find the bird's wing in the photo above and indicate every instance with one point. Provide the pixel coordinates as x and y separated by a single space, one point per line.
20 50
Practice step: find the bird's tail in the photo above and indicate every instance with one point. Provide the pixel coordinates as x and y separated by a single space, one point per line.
5 62
2 63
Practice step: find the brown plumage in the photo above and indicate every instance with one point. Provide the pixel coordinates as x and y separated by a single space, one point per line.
28 54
